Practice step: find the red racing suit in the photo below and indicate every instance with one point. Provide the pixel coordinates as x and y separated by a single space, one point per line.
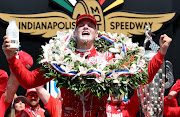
85 104
125 109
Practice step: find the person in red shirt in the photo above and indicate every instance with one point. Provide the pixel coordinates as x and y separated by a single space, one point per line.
3 83
53 105
171 108
118 108
85 104
33 108
9 87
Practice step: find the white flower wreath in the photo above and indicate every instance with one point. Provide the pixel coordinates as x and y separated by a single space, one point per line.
119 75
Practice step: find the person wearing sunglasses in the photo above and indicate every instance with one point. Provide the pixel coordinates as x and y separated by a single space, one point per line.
33 108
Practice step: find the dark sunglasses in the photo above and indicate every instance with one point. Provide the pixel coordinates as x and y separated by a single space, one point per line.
32 95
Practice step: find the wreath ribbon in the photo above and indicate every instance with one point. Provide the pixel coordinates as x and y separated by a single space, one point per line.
96 73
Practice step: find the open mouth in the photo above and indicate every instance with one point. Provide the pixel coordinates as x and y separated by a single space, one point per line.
85 33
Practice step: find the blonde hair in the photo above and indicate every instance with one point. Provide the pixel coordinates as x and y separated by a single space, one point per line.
13 112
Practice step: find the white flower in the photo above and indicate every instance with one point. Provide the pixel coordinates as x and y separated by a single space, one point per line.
50 58
133 68
61 34
116 81
113 50
100 79
119 56
141 51
82 70
70 31
68 67
126 40
115 75
100 67
117 48
111 62
113 35
58 43
141 63
122 36
101 63
64 50
103 32
59 58
83 60
75 57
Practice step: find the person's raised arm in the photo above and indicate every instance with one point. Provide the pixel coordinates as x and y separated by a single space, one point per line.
164 43
26 78
156 62
12 87
43 94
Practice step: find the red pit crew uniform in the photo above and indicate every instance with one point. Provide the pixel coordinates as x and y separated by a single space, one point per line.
54 107
125 109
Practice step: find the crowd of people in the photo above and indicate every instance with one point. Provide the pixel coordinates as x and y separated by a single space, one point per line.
71 105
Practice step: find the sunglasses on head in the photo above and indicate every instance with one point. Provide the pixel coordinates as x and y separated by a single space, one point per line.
32 95
17 101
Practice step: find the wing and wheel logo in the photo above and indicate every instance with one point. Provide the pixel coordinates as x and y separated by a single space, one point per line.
47 24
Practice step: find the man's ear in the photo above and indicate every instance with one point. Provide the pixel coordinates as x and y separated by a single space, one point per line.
74 34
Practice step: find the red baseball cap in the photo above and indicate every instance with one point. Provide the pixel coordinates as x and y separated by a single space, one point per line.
86 16
31 90
3 80
26 59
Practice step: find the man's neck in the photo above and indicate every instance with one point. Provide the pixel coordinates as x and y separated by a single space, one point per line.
34 107
85 45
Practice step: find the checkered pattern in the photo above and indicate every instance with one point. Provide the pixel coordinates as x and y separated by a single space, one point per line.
154 46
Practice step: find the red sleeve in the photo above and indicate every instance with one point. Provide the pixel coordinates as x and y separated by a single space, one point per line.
170 111
3 106
154 65
54 107
133 104
27 79
174 103
170 103
176 87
